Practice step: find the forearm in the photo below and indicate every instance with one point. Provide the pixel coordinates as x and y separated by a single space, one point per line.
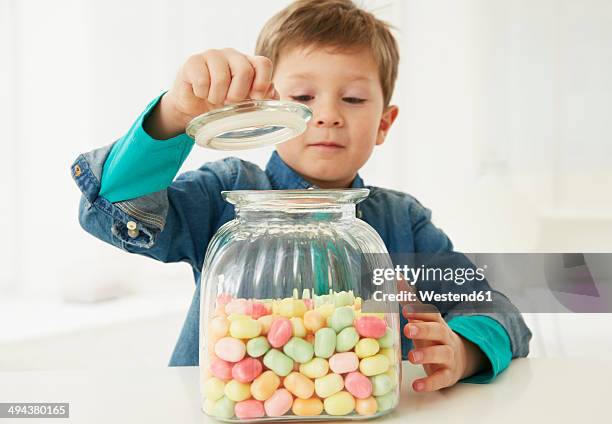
165 121
476 360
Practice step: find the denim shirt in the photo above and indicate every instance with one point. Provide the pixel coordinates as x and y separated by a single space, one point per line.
176 223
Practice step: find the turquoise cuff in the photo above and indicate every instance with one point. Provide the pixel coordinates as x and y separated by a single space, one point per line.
138 164
491 338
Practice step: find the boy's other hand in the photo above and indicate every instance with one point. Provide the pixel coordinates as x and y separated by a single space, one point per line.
207 81
446 356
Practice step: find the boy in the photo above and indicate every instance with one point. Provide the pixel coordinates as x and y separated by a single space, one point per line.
341 62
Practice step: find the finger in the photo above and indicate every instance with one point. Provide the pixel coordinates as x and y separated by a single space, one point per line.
242 73
220 77
195 73
272 93
436 381
263 76
433 331
419 312
437 354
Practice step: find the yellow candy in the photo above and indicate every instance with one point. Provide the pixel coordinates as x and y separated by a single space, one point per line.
236 391
292 308
342 403
389 353
245 328
298 327
392 373
308 407
219 327
315 368
357 304
326 310
276 306
264 386
313 320
235 316
367 406
374 365
214 388
366 347
266 323
328 385
300 385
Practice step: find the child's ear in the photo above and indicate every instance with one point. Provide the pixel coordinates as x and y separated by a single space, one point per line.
387 119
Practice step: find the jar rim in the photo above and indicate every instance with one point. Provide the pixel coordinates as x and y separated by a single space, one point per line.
295 198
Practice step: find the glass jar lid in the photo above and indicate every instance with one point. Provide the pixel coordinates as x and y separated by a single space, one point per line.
249 124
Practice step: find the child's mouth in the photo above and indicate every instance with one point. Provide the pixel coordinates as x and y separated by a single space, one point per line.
326 146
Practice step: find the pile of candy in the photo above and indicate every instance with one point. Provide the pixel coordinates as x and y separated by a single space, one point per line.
308 356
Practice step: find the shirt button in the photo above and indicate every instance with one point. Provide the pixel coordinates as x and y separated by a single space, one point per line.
132 229
359 214
77 171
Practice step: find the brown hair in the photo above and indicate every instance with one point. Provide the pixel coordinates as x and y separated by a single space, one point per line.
332 23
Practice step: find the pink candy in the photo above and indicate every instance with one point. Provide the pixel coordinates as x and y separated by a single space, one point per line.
279 403
358 385
223 298
221 369
230 349
259 310
280 332
247 370
370 326
341 363
249 409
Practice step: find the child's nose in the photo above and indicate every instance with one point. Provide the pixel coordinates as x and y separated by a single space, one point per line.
328 117
328 123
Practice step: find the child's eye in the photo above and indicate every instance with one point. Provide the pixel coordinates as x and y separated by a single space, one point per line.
353 100
302 98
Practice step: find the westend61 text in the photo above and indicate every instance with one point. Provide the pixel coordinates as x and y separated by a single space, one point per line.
429 296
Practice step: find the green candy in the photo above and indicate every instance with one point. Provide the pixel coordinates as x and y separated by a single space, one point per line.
381 384
278 362
224 408
299 350
343 299
257 346
323 300
341 318
387 401
386 340
346 339
325 342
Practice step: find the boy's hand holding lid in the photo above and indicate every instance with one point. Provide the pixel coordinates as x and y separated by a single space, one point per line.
207 81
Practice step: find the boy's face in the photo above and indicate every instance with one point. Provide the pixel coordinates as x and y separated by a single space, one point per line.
344 92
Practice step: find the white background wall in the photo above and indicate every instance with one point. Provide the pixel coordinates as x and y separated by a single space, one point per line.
504 128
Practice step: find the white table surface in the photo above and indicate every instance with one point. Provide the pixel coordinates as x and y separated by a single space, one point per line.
530 390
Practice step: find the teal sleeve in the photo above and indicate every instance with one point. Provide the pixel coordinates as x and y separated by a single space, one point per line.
491 338
138 164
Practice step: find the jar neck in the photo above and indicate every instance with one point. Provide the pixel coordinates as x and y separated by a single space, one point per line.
293 216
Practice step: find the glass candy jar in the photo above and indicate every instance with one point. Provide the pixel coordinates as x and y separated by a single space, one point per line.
282 331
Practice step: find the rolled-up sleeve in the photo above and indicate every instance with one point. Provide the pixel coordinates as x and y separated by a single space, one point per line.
138 164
